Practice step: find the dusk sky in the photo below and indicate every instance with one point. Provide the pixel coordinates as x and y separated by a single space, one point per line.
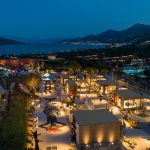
42 19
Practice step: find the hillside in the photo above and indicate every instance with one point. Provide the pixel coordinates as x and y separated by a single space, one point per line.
4 41
132 34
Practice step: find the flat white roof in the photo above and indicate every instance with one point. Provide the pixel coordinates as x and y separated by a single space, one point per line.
92 117
127 94
106 82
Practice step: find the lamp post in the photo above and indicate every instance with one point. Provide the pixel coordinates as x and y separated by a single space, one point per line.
61 95
33 101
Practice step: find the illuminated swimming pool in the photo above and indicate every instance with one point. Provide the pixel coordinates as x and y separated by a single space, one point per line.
133 71
142 76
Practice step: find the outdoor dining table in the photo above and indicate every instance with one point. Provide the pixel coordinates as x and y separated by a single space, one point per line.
29 113
30 145
29 133
29 123
29 137
29 128
51 148
29 141
30 119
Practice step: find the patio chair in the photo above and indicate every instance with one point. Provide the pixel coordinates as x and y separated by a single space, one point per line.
48 148
54 147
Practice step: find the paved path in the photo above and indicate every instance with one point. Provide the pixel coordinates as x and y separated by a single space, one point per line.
137 136
60 138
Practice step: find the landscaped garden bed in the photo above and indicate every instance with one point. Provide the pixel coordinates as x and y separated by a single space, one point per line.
13 125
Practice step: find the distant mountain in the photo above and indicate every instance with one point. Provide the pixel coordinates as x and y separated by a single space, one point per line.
4 41
132 34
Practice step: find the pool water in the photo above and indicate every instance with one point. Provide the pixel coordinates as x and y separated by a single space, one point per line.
142 76
137 72
133 71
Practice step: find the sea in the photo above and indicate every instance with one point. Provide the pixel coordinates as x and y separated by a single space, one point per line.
37 48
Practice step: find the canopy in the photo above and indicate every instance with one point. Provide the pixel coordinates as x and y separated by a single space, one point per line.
47 77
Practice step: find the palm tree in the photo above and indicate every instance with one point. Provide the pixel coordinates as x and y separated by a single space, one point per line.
32 81
74 68
80 83
6 88
91 72
117 70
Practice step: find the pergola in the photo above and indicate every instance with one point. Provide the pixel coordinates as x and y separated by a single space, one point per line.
64 77
106 86
127 99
